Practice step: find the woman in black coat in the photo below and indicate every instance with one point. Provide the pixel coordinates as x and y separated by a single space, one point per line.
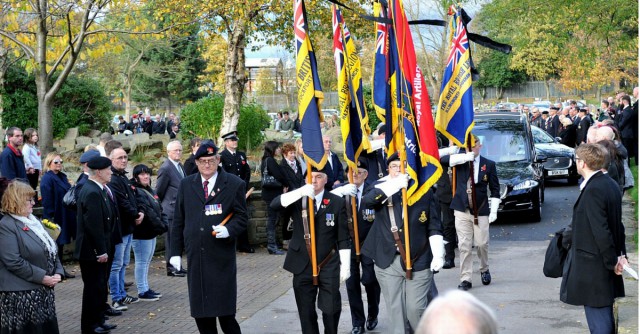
53 186
144 234
293 172
568 132
269 166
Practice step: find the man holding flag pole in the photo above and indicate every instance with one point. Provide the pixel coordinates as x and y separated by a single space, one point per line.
405 240
319 220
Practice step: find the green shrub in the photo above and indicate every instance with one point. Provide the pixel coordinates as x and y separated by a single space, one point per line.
81 102
203 118
371 111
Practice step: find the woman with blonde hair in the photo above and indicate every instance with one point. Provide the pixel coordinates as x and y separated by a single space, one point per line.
53 186
29 266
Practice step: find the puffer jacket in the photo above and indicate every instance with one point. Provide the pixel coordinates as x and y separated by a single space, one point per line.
155 221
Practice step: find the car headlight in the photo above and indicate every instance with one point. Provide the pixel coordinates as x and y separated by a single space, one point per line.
525 185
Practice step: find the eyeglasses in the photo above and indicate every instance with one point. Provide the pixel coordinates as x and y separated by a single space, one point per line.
209 162
57 162
124 157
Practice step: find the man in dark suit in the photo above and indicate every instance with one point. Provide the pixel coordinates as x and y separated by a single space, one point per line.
235 162
331 235
472 219
583 127
210 201
627 123
333 168
597 253
97 228
385 245
169 176
553 122
368 279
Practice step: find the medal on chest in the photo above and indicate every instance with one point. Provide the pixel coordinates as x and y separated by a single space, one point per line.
368 214
330 219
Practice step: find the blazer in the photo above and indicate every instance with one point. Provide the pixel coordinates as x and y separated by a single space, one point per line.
23 259
487 178
581 131
295 179
167 187
597 239
424 221
335 172
97 223
331 233
628 123
211 261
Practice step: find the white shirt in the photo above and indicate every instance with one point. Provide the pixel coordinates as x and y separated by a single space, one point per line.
360 190
476 168
318 199
103 153
212 182
586 179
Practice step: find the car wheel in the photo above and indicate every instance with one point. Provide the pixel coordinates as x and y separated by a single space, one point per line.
536 211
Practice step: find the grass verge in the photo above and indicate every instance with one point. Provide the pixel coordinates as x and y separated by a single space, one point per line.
633 193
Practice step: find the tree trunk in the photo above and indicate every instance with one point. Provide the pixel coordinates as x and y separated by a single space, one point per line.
235 79
547 87
499 92
598 94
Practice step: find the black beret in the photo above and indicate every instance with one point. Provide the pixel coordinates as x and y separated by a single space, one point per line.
582 110
545 112
98 163
362 163
382 129
207 149
555 108
324 170
393 157
233 135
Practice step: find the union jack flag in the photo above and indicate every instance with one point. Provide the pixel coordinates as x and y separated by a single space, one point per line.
459 44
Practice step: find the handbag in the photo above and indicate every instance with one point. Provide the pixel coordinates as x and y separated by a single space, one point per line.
268 181
554 257
69 198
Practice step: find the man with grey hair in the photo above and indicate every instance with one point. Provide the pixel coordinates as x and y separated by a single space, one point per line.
159 127
457 312
169 176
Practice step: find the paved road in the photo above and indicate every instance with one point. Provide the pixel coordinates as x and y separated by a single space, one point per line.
523 299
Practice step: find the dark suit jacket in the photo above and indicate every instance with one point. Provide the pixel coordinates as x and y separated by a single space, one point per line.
554 126
96 218
159 128
487 179
167 187
581 131
597 239
211 261
238 165
335 171
424 221
328 236
23 259
295 179
628 121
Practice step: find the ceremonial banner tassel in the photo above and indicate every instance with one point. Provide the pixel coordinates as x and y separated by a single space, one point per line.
412 129
309 99
454 117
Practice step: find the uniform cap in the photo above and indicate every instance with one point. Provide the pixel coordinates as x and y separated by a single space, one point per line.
99 163
207 149
233 135
88 155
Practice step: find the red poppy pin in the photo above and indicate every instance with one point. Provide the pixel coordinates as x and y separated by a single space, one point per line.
484 168
243 162
325 201
25 228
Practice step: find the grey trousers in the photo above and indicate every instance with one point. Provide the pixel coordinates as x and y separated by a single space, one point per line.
402 295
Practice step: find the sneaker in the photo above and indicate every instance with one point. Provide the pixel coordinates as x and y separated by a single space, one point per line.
119 305
130 300
157 294
147 296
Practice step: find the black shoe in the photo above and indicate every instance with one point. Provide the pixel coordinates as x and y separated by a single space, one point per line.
448 264
276 252
372 322
112 312
175 273
249 250
183 271
464 286
100 330
486 277
357 330
108 326
68 275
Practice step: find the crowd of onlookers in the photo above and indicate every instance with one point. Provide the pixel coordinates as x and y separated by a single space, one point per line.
143 122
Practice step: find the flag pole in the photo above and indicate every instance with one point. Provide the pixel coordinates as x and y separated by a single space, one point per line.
402 153
312 229
354 216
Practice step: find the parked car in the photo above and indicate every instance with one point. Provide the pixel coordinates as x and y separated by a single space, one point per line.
542 105
507 139
561 163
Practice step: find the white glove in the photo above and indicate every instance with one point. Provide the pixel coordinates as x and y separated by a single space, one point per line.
494 204
377 144
221 231
291 197
460 158
176 262
345 264
348 189
392 186
448 150
437 249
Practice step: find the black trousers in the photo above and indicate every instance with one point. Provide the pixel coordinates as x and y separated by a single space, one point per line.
328 293
631 145
242 242
228 324
449 231
94 294
354 291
